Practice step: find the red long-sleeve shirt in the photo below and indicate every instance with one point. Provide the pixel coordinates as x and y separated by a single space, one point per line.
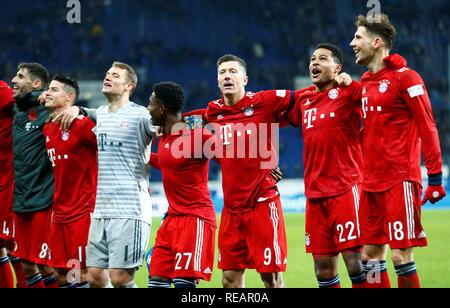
183 159
398 124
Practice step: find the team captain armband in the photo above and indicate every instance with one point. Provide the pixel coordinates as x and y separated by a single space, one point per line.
416 91
194 121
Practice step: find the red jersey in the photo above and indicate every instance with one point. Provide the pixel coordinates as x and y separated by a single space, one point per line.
331 124
6 150
247 145
73 156
184 167
398 123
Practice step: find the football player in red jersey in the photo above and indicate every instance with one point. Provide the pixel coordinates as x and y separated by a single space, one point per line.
330 116
184 249
73 155
6 184
252 231
398 126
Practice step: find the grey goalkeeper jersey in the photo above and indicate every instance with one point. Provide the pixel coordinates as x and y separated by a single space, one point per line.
124 143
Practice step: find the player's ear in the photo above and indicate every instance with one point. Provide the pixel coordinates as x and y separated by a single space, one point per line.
37 84
338 69
377 42
130 87
71 97
245 81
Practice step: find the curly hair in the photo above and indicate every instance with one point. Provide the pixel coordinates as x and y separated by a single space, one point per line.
170 95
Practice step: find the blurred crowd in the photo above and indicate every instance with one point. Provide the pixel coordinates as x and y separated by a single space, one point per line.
180 40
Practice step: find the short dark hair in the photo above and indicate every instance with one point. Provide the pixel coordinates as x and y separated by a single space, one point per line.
379 24
229 58
37 72
170 95
337 53
68 82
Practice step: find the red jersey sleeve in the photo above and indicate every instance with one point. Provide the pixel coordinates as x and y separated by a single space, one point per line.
209 142
355 91
293 115
6 96
200 112
278 101
414 93
154 161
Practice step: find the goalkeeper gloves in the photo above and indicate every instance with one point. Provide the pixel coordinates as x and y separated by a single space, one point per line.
435 190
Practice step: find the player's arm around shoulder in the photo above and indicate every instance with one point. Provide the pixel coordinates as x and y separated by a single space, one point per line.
66 118
154 161
147 131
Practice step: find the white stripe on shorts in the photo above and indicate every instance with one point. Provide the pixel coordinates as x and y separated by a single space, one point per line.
199 245
275 219
409 210
356 199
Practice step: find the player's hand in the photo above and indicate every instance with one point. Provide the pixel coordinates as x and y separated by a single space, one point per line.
276 174
344 79
41 98
434 194
159 132
66 118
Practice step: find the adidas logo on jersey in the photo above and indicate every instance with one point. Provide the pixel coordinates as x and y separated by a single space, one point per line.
422 235
166 146
207 271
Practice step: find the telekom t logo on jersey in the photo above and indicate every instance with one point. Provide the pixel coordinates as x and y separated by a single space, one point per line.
53 157
226 133
236 140
310 116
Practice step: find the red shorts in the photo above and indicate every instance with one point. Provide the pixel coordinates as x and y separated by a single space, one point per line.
255 239
393 217
332 224
184 248
32 231
6 214
67 243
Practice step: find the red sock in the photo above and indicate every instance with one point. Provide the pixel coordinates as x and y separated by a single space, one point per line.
410 281
359 281
21 282
334 283
35 282
6 275
382 283
50 282
407 276
363 285
38 285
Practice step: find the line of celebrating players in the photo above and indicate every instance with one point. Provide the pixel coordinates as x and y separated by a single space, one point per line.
81 175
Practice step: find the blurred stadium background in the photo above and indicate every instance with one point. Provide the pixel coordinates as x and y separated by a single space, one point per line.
180 40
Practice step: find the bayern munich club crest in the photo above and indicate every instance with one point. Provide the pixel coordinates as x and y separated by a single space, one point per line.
249 111
125 124
333 94
65 136
384 86
307 239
